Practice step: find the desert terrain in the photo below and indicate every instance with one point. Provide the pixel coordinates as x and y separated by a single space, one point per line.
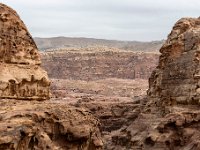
91 94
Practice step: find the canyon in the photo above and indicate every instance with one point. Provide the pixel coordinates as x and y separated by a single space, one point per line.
109 82
166 118
95 97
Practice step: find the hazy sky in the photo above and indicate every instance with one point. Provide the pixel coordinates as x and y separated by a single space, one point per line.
141 20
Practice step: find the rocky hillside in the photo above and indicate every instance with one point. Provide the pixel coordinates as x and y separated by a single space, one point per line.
95 63
67 42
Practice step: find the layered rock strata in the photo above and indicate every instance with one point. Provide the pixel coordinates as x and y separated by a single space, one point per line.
176 79
94 63
21 76
170 119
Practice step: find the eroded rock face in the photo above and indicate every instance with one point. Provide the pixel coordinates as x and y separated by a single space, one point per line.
176 80
17 45
21 76
47 125
174 88
34 124
170 119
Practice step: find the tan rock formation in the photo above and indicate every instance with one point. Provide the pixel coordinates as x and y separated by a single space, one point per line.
21 76
35 124
170 119
174 89
176 79
47 125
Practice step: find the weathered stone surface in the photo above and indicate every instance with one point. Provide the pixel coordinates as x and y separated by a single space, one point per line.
21 76
17 45
95 63
170 119
47 125
35 125
175 81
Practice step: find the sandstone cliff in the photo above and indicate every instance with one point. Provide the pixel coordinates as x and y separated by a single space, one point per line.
21 76
95 63
170 118
33 124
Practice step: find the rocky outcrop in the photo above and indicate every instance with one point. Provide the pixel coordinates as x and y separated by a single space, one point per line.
170 119
47 125
21 76
174 87
33 124
98 63
175 81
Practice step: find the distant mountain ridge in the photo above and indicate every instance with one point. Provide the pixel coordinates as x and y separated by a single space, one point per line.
67 42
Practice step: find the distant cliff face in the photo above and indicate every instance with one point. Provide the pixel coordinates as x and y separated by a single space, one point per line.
98 63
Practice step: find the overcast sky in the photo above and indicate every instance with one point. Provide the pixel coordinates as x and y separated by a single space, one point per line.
141 20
